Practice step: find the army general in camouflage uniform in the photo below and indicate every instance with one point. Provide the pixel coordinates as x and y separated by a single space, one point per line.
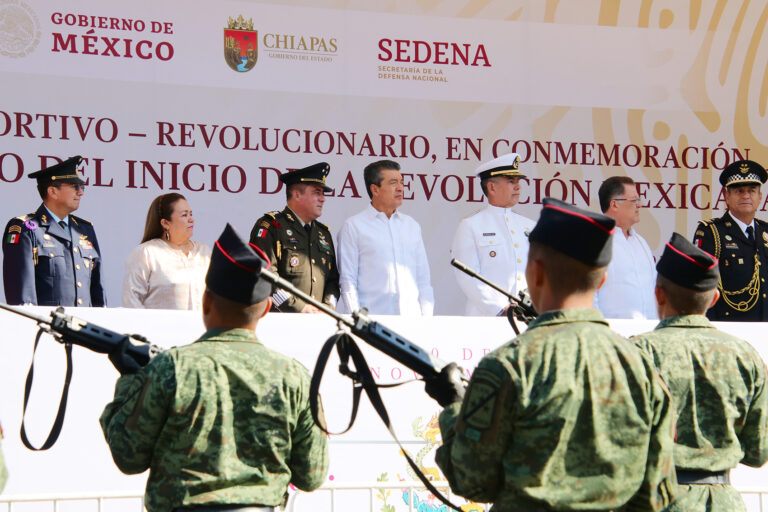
298 246
740 242
51 257
223 422
717 383
569 415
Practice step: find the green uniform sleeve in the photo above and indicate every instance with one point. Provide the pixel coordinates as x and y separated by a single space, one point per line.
332 280
660 480
133 421
754 433
475 434
309 454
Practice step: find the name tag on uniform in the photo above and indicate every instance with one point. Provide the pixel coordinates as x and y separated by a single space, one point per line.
489 234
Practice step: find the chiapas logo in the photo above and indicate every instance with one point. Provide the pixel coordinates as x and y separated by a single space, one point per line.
241 44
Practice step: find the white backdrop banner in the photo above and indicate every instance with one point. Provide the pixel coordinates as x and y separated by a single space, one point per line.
216 100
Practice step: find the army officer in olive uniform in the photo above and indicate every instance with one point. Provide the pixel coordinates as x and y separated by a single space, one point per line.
299 246
740 242
50 257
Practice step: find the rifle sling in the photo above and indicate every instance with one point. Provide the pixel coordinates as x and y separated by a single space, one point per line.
53 435
362 380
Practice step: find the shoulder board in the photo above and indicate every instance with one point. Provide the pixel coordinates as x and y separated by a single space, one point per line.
761 222
22 218
474 213
273 214
78 220
323 225
706 221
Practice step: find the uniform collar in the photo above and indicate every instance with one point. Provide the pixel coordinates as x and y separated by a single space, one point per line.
297 219
685 321
561 316
378 213
226 334
741 225
53 216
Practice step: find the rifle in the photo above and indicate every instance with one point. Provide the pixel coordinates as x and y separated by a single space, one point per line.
373 333
520 307
378 336
71 330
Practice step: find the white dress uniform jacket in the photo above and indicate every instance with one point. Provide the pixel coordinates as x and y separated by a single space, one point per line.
493 242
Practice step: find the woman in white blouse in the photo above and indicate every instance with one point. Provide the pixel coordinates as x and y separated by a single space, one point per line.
167 270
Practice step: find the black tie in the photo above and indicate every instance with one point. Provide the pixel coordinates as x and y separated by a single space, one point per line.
750 234
307 227
63 225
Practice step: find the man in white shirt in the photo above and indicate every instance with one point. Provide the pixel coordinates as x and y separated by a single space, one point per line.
381 258
631 277
494 241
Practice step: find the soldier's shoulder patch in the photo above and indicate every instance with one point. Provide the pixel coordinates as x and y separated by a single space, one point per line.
264 224
480 412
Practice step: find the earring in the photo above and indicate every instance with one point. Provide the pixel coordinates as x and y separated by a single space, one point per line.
167 236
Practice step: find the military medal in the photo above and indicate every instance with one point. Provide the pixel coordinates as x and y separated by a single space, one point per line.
294 261
289 232
728 237
492 254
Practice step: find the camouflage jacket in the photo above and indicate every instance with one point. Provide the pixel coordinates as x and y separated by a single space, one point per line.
567 416
221 421
717 382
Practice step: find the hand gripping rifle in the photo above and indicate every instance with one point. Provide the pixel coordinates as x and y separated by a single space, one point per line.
520 307
71 330
378 336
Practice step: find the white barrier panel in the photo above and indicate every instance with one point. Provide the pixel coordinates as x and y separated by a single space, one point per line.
667 94
80 462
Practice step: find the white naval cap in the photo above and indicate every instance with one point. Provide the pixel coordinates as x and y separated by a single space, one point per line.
505 165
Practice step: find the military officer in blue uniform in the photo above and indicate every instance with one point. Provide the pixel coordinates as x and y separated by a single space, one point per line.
50 257
740 242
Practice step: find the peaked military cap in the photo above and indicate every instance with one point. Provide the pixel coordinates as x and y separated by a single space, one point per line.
505 165
743 172
312 175
235 268
687 265
65 171
583 235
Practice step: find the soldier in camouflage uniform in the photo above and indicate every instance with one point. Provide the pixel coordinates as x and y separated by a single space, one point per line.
298 246
717 383
569 415
223 422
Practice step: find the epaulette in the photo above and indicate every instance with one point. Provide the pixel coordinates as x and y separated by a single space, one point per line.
707 221
80 219
272 214
474 213
324 226
762 222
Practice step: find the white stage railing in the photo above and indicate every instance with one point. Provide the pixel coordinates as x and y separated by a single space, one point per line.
756 499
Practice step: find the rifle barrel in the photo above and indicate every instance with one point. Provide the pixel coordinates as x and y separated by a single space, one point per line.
464 268
20 311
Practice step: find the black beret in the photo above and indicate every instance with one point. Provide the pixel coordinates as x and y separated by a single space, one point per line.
235 268
583 235
312 175
688 266
505 165
65 171
743 172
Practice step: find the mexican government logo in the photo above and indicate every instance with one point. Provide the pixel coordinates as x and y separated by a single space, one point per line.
19 29
241 44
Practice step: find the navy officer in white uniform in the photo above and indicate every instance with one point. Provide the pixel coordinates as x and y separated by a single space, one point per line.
494 241
50 257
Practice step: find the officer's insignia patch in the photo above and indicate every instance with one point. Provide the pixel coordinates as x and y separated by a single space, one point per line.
30 224
45 219
17 229
744 169
13 238
699 233
727 237
728 224
294 261
264 224
492 254
290 217
289 232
